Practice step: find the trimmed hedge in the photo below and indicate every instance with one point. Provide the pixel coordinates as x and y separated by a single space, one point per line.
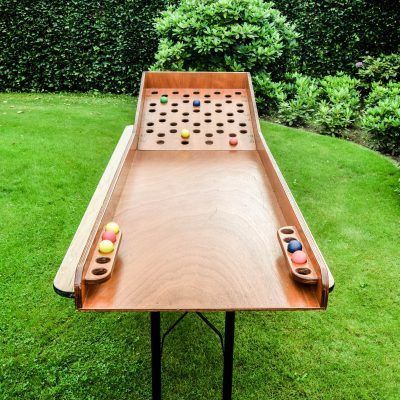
48 45
337 34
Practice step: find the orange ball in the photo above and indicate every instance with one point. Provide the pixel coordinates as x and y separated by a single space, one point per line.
233 141
299 257
109 235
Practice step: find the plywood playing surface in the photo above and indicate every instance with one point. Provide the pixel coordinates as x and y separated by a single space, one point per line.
223 114
204 239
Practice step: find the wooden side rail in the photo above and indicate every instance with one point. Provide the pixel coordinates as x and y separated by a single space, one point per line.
79 248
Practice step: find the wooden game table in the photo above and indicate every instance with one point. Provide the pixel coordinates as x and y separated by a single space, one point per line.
205 220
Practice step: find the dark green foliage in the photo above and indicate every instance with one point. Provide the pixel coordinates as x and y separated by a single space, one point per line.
337 34
76 45
225 35
382 117
301 101
269 93
382 69
339 107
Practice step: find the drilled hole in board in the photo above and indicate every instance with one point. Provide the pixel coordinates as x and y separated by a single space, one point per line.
228 101
196 110
153 104
162 120
228 95
164 95
196 130
103 260
173 124
185 114
220 124
207 120
185 142
99 271
207 113
238 92
150 123
243 131
239 104
174 104
149 130
229 114
174 110
173 130
185 120
232 134
218 105
206 95
289 239
155 92
303 271
152 110
196 124
209 134
218 111
161 134
243 124
186 95
160 142
196 92
186 101
231 121
287 231
240 111
207 101
217 92
175 92
220 131
163 113
209 142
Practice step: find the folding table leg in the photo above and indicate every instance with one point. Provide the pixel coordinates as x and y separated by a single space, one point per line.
228 355
155 355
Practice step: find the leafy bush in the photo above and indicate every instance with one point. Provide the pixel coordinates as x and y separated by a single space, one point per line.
229 35
382 69
269 94
382 117
335 33
302 98
76 45
339 107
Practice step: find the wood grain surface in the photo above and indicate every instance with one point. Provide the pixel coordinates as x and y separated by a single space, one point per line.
199 234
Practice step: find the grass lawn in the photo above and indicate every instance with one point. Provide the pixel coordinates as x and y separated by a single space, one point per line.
53 151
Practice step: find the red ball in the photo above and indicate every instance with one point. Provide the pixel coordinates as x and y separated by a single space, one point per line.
109 235
299 257
233 142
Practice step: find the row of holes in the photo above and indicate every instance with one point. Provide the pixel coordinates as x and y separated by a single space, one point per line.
196 92
209 134
196 110
184 142
162 120
205 101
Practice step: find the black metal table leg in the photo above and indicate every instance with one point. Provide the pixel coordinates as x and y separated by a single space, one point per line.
155 355
228 355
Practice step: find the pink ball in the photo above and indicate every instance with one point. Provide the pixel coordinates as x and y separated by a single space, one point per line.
233 142
109 235
299 257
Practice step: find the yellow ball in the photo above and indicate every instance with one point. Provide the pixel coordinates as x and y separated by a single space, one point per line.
112 226
185 133
106 246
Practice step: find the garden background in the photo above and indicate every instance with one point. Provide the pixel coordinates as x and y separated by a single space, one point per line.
328 67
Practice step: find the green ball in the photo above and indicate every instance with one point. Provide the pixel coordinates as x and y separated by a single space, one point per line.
164 99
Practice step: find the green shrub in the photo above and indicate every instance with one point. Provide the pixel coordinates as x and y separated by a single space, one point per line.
76 45
335 33
382 69
339 107
301 100
225 35
269 94
382 117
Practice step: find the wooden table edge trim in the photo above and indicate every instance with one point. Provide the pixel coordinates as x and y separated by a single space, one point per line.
77 252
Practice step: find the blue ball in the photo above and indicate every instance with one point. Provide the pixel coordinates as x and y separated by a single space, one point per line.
196 103
294 245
